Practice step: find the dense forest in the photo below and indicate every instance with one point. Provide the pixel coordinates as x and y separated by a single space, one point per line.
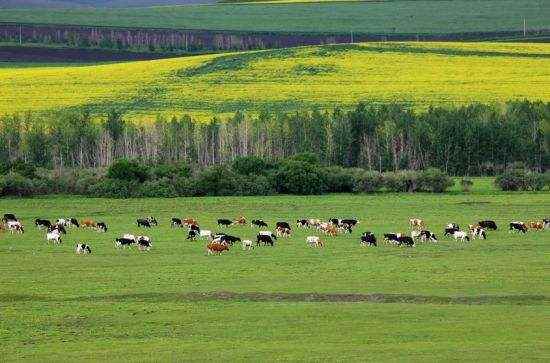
471 140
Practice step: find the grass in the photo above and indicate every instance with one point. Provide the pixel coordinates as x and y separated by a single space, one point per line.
416 17
419 74
484 300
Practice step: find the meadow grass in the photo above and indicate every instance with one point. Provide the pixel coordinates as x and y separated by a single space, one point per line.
381 17
418 74
484 300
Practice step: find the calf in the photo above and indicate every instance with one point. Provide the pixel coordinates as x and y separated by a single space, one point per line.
102 227
266 240
461 235
517 227
426 235
216 248
488 225
368 239
176 222
224 222
15 227
42 223
54 236
258 223
247 245
83 249
314 241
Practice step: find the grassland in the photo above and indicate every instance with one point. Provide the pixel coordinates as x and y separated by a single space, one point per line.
486 300
420 74
422 17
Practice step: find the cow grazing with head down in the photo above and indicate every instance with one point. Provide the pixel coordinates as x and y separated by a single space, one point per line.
54 236
214 248
283 232
229 239
124 242
74 222
392 237
143 243
405 241
176 222
265 239
478 232
426 235
222 222
517 226
461 235
241 221
536 225
57 227
488 225
88 223
302 223
9 217
83 249
42 223
368 239
102 227
258 223
314 241
192 235
15 227
143 222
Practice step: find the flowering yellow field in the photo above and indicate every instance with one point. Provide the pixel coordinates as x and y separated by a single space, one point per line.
421 74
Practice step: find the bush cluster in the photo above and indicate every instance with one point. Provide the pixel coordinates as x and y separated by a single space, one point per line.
301 174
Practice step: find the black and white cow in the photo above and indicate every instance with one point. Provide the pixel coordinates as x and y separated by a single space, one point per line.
74 222
194 227
426 235
517 226
192 234
349 222
368 239
83 249
405 240
124 242
258 223
229 239
222 222
302 223
143 222
478 232
9 217
102 227
265 239
488 225
546 223
42 223
392 237
57 227
144 243
176 222
450 229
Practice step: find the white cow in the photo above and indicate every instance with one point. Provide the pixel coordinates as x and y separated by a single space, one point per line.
461 235
314 241
205 234
247 244
54 236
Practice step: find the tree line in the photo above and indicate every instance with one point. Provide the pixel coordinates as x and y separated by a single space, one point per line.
476 139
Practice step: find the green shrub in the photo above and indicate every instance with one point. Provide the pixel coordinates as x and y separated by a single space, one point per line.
114 188
466 184
15 185
185 187
370 182
434 180
520 179
401 181
216 180
254 185
160 188
299 177
341 180
249 165
127 170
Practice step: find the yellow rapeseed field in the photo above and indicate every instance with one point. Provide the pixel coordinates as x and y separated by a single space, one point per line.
420 74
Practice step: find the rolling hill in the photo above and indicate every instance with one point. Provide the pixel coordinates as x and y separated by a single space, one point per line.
386 17
420 74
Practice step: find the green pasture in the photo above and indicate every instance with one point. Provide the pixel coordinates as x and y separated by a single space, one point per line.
483 300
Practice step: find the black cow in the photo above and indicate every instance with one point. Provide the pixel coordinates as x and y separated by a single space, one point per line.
224 222
349 222
283 225
405 240
369 239
42 223
229 239
258 223
267 240
488 225
192 234
518 226
123 242
143 223
176 222
74 222
101 226
9 217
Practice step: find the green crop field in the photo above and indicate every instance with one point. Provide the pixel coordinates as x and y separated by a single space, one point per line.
483 300
423 17
419 74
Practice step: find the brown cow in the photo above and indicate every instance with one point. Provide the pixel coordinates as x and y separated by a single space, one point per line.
417 223
216 248
240 221
190 222
536 225
88 223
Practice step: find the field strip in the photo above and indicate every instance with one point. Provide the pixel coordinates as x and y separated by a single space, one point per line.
519 299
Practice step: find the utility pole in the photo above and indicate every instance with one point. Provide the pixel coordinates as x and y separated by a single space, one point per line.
524 28
20 34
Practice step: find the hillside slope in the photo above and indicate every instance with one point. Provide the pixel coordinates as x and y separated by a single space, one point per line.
399 16
421 74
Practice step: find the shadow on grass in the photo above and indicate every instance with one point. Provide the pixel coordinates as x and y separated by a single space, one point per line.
291 297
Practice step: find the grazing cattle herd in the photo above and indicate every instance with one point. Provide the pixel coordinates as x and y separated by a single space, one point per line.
217 243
